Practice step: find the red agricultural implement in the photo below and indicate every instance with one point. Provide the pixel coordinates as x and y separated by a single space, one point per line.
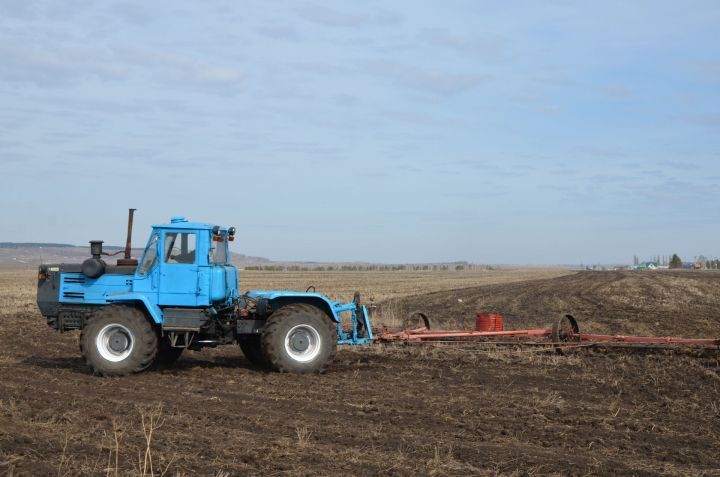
565 333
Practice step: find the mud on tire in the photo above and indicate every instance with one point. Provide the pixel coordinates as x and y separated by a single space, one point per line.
118 340
299 338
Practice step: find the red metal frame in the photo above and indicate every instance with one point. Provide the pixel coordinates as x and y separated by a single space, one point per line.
424 334
421 334
650 339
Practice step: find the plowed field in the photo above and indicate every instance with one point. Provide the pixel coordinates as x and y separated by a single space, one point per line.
468 409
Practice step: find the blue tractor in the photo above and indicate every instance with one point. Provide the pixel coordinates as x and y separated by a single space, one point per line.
183 294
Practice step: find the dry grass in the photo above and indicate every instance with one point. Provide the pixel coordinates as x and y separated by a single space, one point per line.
380 286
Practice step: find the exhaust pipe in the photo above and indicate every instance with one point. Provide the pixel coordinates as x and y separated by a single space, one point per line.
128 260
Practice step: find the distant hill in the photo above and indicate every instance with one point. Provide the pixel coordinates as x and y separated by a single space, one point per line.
32 254
33 245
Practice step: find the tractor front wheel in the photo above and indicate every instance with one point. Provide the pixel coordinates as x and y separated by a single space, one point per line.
299 338
118 340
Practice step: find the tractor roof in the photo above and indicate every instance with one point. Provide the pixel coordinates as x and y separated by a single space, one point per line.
179 222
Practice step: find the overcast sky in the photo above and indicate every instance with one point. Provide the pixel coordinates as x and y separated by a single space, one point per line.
495 132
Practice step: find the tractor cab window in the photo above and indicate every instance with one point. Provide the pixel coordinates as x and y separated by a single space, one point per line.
150 256
218 250
180 248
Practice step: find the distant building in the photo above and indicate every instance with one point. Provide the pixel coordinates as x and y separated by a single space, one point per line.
646 266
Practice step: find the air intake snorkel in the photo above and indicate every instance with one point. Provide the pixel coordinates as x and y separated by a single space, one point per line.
95 266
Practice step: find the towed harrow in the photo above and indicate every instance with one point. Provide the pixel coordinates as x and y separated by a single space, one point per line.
565 333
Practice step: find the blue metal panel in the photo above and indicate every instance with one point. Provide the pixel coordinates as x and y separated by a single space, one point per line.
203 285
77 288
359 319
179 281
218 284
231 279
155 312
333 308
180 223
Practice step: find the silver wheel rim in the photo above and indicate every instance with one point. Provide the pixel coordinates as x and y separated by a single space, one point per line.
114 342
302 343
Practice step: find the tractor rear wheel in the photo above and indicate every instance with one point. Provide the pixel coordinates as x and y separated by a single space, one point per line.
299 338
251 347
118 340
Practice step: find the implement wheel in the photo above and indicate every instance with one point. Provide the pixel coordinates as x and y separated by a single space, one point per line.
565 330
118 340
416 320
251 346
299 338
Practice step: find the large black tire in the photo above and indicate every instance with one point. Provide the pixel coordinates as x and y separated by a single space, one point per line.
299 338
167 354
251 347
118 340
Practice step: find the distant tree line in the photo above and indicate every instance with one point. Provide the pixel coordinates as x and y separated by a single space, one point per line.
712 264
702 261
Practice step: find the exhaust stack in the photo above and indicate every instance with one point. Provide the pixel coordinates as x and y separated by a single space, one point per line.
128 260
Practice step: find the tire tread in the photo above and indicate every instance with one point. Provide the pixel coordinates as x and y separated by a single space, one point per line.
147 338
274 322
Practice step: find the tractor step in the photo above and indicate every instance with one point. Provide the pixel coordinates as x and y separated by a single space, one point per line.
184 319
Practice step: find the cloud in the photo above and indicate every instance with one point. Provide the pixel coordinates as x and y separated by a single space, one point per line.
604 152
23 10
410 117
330 17
679 165
278 32
56 65
706 70
434 80
179 70
536 103
709 121
616 91
131 12
14 156
36 9
488 45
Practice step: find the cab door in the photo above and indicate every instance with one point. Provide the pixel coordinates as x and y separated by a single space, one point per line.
179 268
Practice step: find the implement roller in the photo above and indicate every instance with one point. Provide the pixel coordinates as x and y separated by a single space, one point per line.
565 333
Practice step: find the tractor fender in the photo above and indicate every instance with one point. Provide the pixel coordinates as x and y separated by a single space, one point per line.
137 298
278 299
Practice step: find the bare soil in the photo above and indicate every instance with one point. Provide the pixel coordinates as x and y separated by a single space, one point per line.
468 409
678 303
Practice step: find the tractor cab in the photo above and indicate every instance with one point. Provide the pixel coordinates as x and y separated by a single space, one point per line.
187 264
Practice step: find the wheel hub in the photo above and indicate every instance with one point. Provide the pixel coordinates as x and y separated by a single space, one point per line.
303 343
118 342
299 342
114 342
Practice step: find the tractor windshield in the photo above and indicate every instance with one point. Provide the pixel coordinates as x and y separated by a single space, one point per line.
219 249
150 256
